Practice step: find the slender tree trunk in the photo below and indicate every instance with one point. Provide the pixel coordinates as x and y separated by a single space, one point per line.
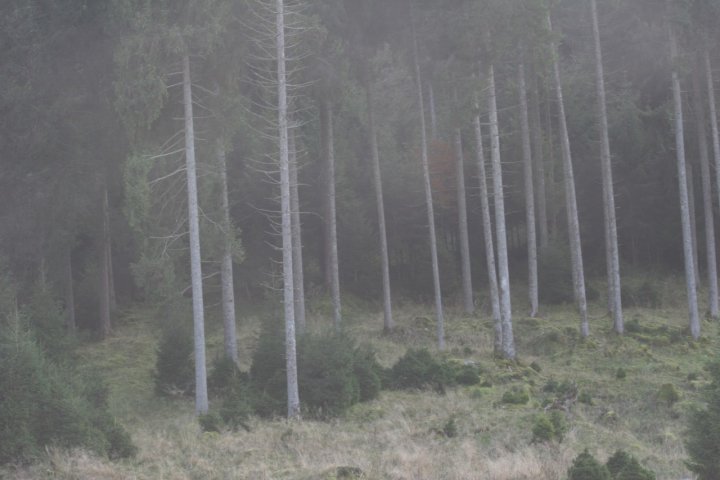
433 112
226 265
488 234
298 275
69 292
508 341
468 303
539 167
529 195
693 220
683 189
388 323
111 274
331 217
552 199
713 114
611 243
429 200
571 202
201 397
288 287
105 319
707 194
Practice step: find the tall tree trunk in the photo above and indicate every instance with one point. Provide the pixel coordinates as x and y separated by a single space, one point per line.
683 189
570 200
226 265
710 84
293 397
201 397
331 216
388 323
700 120
433 112
428 199
539 166
693 220
105 319
488 234
611 243
552 199
69 292
298 276
468 303
508 341
529 194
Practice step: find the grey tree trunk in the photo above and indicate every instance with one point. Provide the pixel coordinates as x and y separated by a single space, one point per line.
693 220
298 276
429 200
570 200
710 84
701 127
433 112
388 323
105 317
331 219
226 265
683 189
69 292
611 243
508 341
293 397
111 273
468 303
529 195
201 397
539 166
488 234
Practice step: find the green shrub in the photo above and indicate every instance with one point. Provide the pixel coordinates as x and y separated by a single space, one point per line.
418 369
225 376
542 430
668 394
536 366
648 294
703 440
175 365
585 467
369 374
210 422
623 466
585 398
450 429
516 396
559 423
467 375
621 374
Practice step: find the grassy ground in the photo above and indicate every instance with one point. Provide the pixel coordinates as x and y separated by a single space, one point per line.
395 437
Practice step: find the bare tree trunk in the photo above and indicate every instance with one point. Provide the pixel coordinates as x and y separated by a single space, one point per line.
105 319
388 323
488 234
539 167
611 244
226 265
711 259
433 112
331 217
552 199
508 341
683 189
713 114
429 200
693 220
529 195
570 201
468 303
69 292
201 397
298 276
288 287
111 274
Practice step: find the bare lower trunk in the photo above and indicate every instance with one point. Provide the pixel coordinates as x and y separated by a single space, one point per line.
611 243
331 217
529 195
429 203
693 220
433 114
293 397
539 168
683 189
298 276
388 323
69 292
226 265
571 202
707 195
105 319
468 303
201 398
713 115
488 234
508 341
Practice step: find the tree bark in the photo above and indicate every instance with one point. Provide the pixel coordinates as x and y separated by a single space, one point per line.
388 323
683 189
331 217
700 120
201 398
508 341
111 273
226 265
539 167
570 200
69 292
298 275
433 112
468 303
529 195
710 84
693 220
105 318
428 199
488 234
293 397
611 243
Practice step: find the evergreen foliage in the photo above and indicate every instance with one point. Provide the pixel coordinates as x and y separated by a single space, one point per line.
623 466
175 368
586 467
418 369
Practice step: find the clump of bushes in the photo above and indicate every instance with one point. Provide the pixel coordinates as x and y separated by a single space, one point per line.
621 374
703 441
621 466
647 294
586 467
418 369
516 396
547 428
174 372
668 394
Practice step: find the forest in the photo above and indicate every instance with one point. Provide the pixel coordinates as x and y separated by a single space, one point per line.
324 239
